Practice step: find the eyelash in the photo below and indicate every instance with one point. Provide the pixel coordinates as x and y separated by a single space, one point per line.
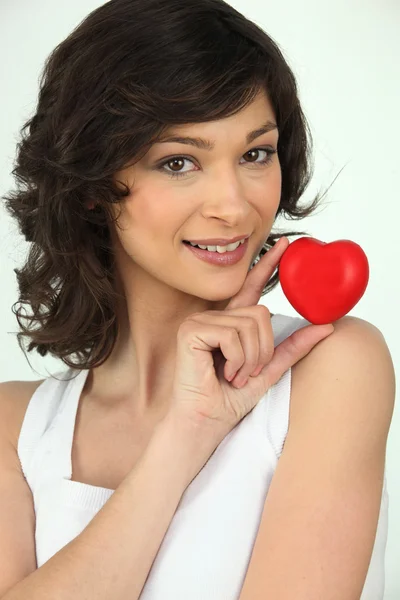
174 175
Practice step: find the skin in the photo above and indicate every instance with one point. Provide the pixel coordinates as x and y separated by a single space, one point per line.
226 192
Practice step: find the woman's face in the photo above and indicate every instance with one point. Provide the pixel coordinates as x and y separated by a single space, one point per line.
182 192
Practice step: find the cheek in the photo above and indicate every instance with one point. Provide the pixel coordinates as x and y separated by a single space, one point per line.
151 217
161 219
276 176
268 195
276 187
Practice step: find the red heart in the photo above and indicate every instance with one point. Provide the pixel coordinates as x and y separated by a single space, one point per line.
322 281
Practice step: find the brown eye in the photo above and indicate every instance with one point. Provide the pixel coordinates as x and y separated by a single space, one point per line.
175 161
178 161
251 153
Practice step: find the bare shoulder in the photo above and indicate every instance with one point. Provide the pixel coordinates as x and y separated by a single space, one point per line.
341 405
355 352
14 400
17 510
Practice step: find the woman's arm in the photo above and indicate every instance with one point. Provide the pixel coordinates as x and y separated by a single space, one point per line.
320 518
113 555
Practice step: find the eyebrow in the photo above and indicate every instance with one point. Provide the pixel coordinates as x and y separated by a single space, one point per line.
203 144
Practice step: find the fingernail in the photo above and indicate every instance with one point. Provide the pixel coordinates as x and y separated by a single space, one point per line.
278 244
257 371
230 376
240 382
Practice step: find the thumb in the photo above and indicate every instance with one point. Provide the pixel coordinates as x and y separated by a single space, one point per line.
293 349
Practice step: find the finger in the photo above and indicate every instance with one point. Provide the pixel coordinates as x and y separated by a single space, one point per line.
265 332
250 292
248 332
199 335
293 349
248 328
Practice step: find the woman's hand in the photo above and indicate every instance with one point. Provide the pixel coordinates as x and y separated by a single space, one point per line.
214 345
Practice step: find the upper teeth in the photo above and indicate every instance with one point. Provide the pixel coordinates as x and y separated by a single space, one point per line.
220 249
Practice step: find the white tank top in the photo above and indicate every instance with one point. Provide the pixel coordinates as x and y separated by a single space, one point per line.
208 545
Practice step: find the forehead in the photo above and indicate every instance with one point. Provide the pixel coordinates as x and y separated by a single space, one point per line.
256 118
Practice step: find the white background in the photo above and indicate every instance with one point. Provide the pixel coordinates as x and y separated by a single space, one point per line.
346 57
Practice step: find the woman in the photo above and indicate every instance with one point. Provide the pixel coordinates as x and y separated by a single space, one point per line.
198 446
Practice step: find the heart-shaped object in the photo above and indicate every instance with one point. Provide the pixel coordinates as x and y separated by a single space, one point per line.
323 281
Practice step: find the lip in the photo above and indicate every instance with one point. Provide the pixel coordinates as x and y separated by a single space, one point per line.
224 259
220 241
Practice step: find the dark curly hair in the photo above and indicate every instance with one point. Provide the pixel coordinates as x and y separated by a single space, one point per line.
128 72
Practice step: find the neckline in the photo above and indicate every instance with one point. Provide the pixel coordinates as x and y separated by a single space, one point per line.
70 413
69 416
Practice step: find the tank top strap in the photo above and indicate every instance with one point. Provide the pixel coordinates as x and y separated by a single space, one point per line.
278 400
64 426
45 440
